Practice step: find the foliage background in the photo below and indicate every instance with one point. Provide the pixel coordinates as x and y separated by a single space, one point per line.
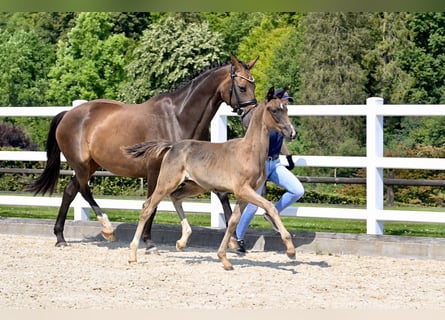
53 58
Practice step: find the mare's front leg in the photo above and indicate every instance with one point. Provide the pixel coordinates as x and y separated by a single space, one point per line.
150 246
225 203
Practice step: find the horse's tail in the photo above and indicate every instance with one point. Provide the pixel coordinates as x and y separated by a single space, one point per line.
151 149
50 175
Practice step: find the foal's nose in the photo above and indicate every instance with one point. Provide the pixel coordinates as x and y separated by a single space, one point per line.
293 132
289 132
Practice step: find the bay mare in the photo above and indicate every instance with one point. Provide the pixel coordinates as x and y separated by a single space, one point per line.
236 166
91 136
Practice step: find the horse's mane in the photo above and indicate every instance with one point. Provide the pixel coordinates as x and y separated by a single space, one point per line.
200 73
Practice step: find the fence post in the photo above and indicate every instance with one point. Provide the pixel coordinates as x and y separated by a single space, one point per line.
374 175
81 212
218 133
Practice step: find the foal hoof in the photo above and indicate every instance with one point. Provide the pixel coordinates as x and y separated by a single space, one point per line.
109 236
228 268
291 255
180 246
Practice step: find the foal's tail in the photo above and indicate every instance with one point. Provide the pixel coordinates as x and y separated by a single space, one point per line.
149 149
48 179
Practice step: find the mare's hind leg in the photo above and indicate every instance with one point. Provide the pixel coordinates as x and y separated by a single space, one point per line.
107 228
69 194
83 174
189 189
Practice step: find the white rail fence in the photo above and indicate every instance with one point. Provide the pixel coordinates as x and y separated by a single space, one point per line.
374 162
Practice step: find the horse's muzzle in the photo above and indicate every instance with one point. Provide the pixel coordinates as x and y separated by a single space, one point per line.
289 132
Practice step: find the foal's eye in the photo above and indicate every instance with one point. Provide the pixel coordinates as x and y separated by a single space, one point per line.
242 89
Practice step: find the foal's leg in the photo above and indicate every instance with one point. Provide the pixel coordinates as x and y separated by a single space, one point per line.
152 177
189 189
233 222
251 196
147 210
168 181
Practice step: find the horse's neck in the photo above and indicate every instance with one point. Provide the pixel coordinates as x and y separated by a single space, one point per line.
257 133
197 102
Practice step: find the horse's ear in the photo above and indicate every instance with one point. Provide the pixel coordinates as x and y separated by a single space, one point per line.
270 94
235 61
252 63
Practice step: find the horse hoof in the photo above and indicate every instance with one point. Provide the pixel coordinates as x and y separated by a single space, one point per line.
62 244
180 246
291 255
228 268
108 236
152 250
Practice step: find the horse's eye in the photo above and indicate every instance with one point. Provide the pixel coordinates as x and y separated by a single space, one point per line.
242 89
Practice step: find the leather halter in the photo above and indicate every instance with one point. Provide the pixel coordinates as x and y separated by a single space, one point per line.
238 108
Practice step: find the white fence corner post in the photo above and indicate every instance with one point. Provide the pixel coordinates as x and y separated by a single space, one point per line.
374 174
81 208
81 211
218 133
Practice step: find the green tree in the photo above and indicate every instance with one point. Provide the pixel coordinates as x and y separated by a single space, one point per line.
169 52
50 26
132 24
387 79
234 27
334 45
90 63
425 61
263 41
24 64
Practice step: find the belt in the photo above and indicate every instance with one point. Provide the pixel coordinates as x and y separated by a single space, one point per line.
275 157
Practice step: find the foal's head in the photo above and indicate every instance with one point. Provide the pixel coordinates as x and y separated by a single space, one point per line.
275 115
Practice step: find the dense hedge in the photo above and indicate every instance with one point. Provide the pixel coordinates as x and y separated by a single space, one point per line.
122 186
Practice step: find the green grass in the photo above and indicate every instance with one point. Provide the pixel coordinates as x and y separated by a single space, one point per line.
199 219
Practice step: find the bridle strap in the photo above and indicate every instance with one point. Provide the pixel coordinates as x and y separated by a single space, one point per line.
239 105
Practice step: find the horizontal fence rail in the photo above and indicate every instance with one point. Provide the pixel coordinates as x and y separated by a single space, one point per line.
307 179
374 162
